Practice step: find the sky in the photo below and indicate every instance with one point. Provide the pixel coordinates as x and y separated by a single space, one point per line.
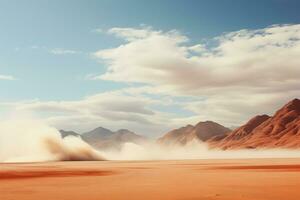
148 66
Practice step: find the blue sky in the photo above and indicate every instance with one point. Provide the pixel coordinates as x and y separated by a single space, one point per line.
48 46
70 25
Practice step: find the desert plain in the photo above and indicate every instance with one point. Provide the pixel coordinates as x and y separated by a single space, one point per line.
228 179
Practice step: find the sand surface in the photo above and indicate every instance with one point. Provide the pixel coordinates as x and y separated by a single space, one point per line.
252 179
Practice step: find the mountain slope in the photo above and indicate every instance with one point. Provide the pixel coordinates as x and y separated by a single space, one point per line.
201 131
281 130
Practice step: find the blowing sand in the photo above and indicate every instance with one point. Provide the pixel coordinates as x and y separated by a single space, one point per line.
144 180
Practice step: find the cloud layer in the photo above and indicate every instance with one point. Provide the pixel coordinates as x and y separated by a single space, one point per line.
127 108
256 59
7 77
60 51
235 75
171 81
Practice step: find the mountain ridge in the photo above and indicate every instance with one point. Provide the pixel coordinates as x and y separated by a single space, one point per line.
202 131
282 130
103 138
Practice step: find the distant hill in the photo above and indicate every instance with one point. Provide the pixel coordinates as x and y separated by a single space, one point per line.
102 138
262 131
281 130
201 131
67 133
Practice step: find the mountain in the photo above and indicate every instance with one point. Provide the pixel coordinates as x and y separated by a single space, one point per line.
67 133
201 131
102 138
96 134
281 130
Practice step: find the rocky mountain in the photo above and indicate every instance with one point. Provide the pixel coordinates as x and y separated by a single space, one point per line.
102 138
201 131
281 130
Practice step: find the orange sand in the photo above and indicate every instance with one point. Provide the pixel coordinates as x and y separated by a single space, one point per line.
252 179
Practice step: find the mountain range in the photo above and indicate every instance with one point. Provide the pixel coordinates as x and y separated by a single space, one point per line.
263 131
202 131
102 138
282 130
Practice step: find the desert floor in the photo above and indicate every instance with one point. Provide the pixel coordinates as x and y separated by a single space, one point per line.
251 179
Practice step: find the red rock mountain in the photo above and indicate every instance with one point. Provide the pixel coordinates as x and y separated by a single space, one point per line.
201 131
281 130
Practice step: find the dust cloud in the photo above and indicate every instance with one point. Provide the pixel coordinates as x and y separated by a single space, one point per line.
193 150
34 141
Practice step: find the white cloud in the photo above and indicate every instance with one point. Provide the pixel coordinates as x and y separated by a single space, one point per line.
98 30
92 77
35 47
60 51
242 74
246 58
131 34
127 108
237 76
198 48
7 77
